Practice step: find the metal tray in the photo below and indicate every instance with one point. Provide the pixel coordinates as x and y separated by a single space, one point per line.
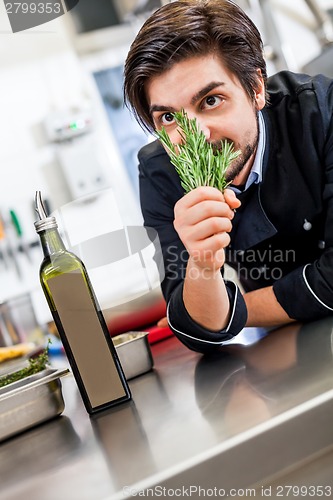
134 353
30 401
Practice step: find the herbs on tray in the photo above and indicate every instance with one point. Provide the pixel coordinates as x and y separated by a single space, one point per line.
35 365
197 162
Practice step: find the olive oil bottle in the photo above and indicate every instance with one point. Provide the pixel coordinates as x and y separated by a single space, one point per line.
79 320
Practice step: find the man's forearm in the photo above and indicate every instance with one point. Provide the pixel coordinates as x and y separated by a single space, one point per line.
263 309
205 297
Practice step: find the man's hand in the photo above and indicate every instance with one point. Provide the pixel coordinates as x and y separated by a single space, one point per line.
203 220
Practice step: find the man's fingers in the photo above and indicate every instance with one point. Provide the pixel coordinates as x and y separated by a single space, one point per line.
231 199
207 228
203 210
200 194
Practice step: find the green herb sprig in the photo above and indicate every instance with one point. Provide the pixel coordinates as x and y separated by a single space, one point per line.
35 365
197 162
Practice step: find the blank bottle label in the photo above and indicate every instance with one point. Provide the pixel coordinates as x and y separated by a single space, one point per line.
86 338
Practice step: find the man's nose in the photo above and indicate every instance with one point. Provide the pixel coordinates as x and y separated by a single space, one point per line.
203 126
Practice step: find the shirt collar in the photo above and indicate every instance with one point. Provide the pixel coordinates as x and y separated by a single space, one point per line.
255 175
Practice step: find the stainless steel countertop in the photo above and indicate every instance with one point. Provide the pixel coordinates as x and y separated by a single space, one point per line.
255 411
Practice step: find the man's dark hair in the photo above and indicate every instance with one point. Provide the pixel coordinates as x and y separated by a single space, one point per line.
192 28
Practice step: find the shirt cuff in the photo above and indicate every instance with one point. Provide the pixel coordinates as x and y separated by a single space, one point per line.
195 336
296 296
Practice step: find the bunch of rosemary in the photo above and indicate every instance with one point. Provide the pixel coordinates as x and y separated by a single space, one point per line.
197 162
35 365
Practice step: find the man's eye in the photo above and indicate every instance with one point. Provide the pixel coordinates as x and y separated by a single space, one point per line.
167 118
211 101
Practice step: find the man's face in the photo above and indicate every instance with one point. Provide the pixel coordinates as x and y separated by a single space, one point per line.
207 91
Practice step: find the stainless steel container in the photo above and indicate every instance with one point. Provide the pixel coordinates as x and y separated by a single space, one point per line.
134 353
30 401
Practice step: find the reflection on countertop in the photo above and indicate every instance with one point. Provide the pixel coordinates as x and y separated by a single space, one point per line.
286 367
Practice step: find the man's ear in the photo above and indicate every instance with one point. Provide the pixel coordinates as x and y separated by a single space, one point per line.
260 92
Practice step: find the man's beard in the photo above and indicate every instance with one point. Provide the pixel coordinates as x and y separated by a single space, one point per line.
240 162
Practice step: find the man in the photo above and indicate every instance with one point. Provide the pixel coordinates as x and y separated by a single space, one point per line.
275 223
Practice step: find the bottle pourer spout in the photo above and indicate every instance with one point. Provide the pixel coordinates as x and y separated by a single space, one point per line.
45 221
39 206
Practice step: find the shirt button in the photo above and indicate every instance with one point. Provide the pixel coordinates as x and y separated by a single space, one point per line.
307 225
263 269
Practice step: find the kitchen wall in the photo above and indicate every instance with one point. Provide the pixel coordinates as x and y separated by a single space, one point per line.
33 85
